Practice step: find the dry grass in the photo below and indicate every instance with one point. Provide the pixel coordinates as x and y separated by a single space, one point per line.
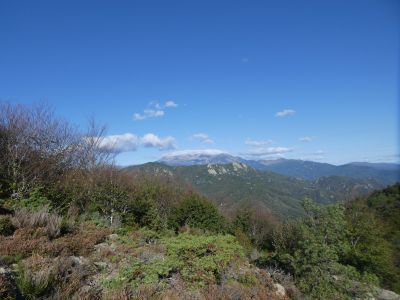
234 291
26 241
24 218
259 292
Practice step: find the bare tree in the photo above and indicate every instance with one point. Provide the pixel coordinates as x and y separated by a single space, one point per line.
93 152
38 148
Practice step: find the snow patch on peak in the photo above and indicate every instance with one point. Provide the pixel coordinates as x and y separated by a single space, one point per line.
197 157
199 152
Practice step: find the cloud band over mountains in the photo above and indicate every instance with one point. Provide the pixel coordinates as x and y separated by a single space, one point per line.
128 142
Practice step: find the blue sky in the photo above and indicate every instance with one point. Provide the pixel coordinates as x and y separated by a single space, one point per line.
314 80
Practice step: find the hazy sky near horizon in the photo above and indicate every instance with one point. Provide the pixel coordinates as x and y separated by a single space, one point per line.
316 80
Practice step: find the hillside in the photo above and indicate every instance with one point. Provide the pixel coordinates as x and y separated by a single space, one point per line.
239 183
378 214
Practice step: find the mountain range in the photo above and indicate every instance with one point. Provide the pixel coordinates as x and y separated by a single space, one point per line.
384 173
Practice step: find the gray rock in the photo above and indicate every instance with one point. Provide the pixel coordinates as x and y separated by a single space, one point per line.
101 264
381 294
101 246
279 290
113 237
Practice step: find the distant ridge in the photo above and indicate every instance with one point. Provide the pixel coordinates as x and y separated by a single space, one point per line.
198 157
384 173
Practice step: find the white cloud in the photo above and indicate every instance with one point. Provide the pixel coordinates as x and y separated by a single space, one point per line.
203 138
258 143
170 104
154 110
285 113
260 152
152 141
306 139
120 143
148 113
130 142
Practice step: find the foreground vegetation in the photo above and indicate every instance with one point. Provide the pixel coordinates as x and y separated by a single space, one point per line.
74 226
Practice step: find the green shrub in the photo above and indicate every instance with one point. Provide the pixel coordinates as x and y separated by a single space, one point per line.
248 279
200 260
319 255
36 200
244 241
195 211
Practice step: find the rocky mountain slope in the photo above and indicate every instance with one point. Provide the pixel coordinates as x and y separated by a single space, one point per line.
238 183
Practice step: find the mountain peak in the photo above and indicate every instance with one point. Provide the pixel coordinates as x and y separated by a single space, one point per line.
198 157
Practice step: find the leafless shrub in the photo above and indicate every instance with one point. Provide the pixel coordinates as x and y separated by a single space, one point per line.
285 279
40 149
36 146
279 275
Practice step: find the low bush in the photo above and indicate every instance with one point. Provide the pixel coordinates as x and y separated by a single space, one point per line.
23 243
80 242
36 200
60 278
200 260
26 241
35 276
248 279
197 212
